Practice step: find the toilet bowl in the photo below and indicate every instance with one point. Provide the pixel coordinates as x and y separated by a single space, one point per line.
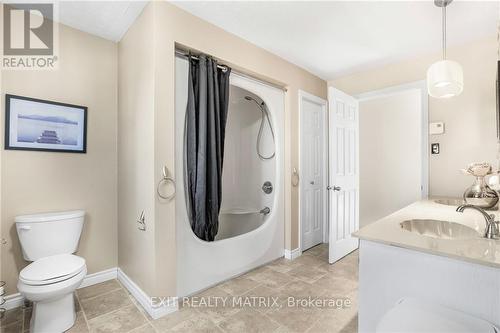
50 283
49 240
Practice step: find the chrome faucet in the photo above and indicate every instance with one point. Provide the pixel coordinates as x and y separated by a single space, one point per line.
264 211
491 231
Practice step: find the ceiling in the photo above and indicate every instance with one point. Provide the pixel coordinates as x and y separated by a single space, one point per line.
106 19
332 39
329 39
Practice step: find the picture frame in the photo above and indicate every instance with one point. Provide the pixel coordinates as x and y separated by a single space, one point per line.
42 125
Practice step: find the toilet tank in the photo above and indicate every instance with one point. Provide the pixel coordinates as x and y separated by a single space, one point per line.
48 234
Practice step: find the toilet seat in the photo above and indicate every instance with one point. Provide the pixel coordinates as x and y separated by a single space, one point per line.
53 269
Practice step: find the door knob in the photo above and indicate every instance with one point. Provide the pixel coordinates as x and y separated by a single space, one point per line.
335 188
311 182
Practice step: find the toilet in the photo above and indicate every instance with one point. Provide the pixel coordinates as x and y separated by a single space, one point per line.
49 241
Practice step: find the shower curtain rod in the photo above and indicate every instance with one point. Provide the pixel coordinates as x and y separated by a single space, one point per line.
185 54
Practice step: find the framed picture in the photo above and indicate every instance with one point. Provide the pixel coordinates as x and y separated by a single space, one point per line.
35 124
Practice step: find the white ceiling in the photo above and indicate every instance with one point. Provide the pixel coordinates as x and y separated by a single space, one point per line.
106 19
331 39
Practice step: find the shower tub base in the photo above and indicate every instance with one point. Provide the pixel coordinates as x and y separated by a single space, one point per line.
202 264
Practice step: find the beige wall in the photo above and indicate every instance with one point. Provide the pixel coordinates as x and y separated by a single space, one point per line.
35 182
469 118
178 26
173 25
390 154
136 100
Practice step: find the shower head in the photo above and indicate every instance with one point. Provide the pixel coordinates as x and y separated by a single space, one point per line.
265 115
249 98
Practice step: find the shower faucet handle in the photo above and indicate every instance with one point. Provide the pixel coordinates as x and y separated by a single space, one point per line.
267 187
264 211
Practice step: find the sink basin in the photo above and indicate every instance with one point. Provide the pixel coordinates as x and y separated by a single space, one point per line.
440 229
450 202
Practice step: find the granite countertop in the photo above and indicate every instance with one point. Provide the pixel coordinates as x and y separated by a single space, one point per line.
476 250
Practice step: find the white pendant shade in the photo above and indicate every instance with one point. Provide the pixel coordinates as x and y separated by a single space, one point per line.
445 79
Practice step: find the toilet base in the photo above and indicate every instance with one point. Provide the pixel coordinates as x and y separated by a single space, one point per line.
53 316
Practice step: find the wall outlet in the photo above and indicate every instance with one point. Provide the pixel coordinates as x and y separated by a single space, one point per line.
435 148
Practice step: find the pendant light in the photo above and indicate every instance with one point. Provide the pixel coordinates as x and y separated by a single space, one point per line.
445 78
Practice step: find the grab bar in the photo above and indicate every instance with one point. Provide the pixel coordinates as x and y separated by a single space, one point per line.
266 210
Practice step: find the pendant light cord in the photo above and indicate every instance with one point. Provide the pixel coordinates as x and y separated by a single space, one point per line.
498 35
444 31
498 97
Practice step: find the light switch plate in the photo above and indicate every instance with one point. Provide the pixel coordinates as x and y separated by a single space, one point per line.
436 128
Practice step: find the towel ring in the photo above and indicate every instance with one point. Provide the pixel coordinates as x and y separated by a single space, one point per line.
165 180
295 177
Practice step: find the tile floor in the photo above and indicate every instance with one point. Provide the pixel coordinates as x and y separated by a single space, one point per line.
108 307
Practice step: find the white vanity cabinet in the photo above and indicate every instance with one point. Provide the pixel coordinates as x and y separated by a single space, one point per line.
459 273
389 273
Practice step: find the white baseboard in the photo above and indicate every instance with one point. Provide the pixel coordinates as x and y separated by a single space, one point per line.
102 276
156 307
17 300
293 254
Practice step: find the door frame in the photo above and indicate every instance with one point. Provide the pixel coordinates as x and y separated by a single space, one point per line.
305 96
399 89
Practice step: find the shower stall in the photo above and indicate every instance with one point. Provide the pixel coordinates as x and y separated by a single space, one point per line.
251 219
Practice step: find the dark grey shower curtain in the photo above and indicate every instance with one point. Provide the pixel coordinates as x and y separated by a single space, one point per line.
206 115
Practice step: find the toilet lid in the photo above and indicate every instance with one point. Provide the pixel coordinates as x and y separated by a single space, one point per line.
52 269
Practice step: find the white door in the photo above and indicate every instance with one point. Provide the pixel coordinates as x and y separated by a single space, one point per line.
313 212
343 173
